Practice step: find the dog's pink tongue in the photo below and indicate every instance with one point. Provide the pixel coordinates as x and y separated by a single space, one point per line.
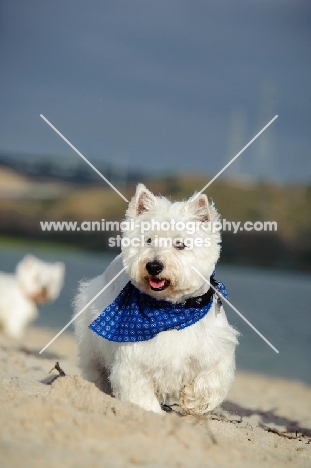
156 284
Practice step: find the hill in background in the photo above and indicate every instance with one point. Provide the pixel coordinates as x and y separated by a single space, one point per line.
25 202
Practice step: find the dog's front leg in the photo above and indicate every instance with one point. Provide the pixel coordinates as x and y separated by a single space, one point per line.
209 388
130 384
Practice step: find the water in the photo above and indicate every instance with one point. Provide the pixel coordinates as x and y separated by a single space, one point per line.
276 303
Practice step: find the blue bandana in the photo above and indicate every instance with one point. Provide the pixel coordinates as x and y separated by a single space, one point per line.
135 316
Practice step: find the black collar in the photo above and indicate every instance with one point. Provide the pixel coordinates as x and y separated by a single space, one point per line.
200 301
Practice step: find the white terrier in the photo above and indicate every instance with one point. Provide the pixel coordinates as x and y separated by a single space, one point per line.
161 334
35 282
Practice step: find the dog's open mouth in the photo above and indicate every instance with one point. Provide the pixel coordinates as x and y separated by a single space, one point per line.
158 284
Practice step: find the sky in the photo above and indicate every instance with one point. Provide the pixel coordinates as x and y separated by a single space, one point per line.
162 86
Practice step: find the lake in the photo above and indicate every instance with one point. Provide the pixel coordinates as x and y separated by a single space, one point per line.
276 303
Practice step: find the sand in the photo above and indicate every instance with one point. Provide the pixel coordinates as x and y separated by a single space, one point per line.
48 420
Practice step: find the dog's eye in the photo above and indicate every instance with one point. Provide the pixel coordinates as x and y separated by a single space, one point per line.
148 241
178 244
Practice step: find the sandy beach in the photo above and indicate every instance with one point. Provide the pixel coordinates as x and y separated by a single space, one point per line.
50 420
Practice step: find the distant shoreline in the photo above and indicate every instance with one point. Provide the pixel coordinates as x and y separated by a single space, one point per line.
285 247
51 245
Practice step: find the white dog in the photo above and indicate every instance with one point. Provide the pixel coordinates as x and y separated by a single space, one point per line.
35 282
161 334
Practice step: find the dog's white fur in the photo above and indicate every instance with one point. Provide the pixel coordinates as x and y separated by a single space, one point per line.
193 366
34 282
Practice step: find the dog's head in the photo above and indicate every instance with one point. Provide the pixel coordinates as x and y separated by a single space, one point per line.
163 240
40 281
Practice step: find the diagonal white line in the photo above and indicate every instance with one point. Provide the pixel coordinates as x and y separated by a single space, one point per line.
236 310
82 310
234 158
83 157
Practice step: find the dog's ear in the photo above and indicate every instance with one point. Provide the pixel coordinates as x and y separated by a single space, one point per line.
29 259
200 207
59 269
27 262
142 201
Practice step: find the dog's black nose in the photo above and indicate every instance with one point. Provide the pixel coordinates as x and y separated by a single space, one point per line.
155 267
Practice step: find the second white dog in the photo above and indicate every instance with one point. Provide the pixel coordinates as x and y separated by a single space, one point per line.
158 333
34 283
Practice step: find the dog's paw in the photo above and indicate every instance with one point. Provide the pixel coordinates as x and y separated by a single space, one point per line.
198 400
190 403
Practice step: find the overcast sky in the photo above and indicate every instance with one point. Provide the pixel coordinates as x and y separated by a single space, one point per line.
160 85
